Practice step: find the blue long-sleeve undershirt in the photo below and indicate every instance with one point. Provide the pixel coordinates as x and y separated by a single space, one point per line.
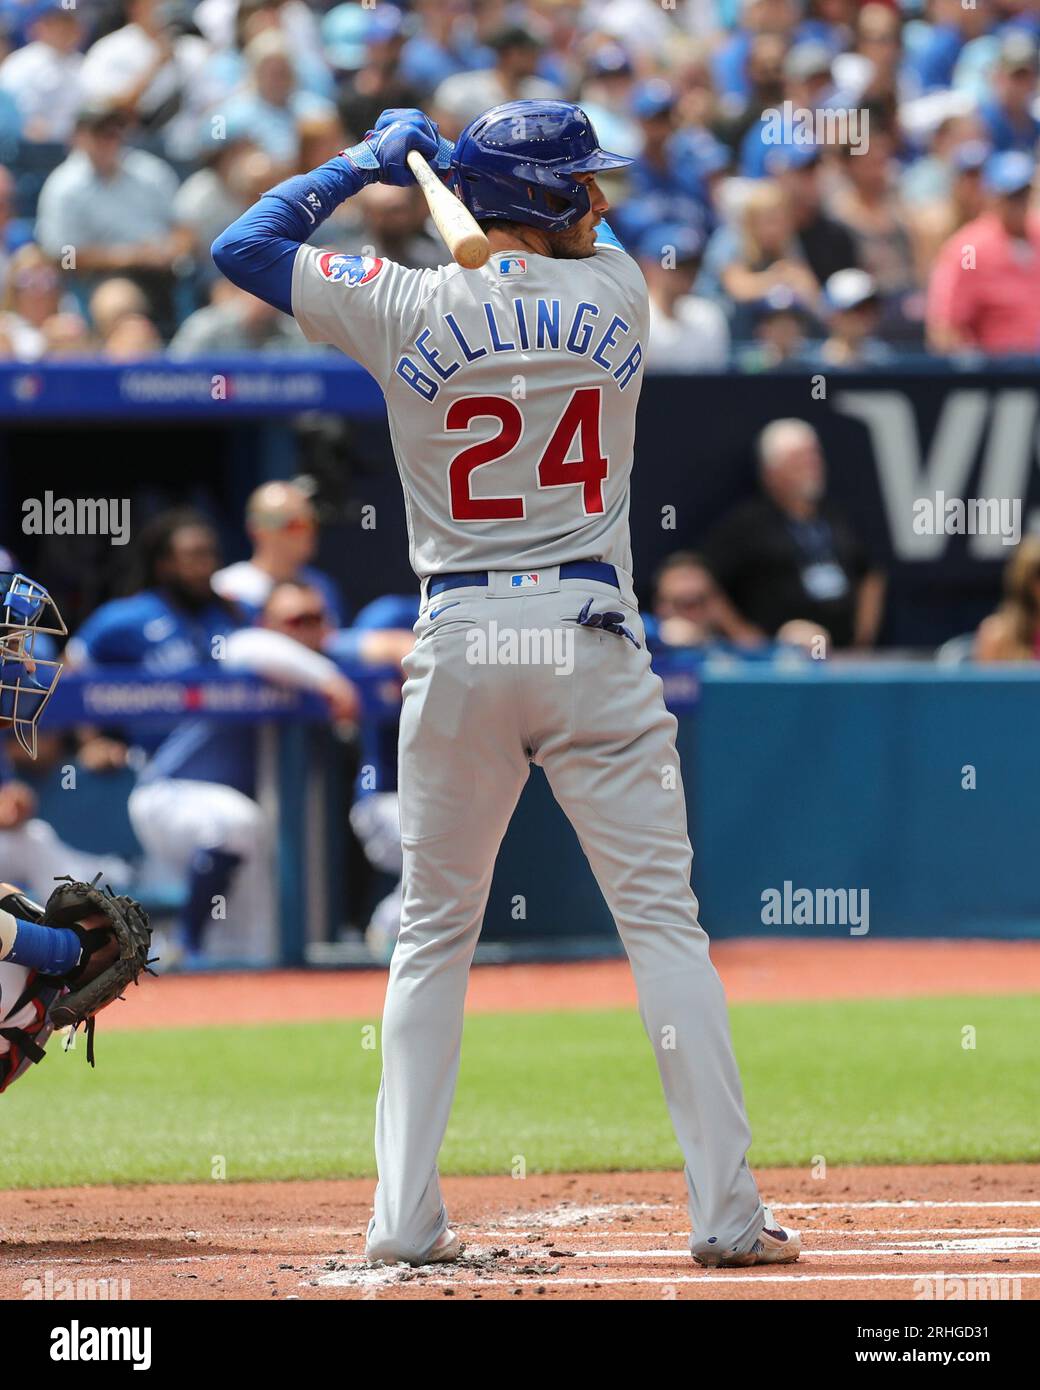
257 252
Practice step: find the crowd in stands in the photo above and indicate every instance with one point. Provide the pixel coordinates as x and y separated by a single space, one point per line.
784 576
815 181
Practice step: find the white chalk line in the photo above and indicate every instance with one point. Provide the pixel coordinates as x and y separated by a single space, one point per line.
908 1204
368 1278
639 1232
918 1247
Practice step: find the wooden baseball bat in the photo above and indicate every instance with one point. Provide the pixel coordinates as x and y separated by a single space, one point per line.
456 224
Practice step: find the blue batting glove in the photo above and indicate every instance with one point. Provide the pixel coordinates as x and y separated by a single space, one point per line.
400 130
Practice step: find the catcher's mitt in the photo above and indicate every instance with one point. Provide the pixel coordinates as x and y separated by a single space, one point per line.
115 937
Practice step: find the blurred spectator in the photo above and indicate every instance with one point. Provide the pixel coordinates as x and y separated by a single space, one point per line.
687 332
237 322
561 25
111 209
32 294
873 73
146 68
443 44
688 609
298 613
14 231
377 84
670 180
43 77
930 177
461 98
761 256
66 337
33 855
853 315
1008 116
283 528
1012 633
231 180
868 205
935 222
113 300
134 338
191 809
789 553
826 245
381 635
984 293
394 224
10 126
321 136
779 331
935 56
269 110
765 75
606 98
733 78
226 73
808 87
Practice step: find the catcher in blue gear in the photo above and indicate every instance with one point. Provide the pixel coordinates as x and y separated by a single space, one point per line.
60 964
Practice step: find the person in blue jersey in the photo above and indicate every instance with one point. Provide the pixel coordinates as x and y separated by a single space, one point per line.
31 850
380 636
69 944
283 530
194 808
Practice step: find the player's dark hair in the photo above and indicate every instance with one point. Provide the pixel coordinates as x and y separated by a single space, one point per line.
679 559
155 542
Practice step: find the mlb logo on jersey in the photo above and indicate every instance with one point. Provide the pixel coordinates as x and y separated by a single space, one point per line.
348 270
524 581
512 265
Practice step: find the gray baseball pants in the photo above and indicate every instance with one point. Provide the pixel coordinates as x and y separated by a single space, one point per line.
584 705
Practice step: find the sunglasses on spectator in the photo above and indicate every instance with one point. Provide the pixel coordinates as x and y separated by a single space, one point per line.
285 523
37 278
690 600
312 617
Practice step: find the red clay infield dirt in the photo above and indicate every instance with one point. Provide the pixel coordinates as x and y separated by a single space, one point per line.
912 1232
876 1233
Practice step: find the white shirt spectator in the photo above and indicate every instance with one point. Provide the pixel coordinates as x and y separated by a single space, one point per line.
696 339
78 207
121 59
46 87
206 205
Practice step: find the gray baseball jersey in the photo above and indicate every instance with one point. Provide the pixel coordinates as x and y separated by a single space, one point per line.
512 396
511 393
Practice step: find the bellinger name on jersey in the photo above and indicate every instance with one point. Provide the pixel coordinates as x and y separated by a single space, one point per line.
526 325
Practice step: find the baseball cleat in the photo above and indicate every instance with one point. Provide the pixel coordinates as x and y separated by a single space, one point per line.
446 1247
776 1245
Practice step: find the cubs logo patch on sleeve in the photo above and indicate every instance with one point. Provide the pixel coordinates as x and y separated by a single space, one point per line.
340 269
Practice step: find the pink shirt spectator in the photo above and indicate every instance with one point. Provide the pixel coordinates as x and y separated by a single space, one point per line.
996 305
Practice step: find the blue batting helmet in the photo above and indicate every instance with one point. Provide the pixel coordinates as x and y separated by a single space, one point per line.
518 162
27 680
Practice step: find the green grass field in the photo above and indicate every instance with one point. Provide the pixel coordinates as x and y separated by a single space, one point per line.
863 1082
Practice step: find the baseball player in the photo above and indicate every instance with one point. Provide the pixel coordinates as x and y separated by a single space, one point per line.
62 963
511 393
